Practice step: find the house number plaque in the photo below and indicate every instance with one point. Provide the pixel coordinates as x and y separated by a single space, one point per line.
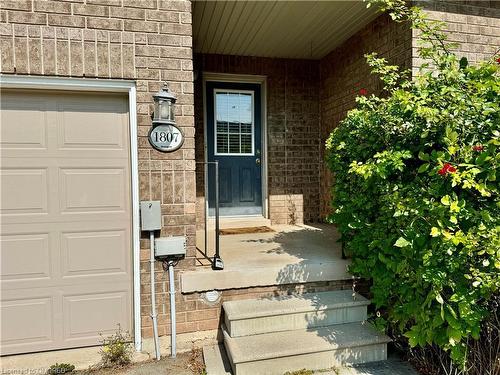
166 137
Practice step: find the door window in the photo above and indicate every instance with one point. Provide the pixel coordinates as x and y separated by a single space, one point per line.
234 119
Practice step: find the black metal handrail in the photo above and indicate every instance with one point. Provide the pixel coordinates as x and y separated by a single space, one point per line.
216 261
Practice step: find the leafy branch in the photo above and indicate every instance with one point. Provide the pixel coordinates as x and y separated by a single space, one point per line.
416 195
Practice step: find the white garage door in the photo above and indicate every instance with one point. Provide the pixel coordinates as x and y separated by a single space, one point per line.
65 219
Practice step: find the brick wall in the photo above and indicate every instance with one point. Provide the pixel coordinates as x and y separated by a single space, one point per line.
196 314
314 96
148 41
344 72
475 25
292 130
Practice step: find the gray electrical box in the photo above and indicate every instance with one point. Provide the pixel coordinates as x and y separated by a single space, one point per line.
170 247
150 215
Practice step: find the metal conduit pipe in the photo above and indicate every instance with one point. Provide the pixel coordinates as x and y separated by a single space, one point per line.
170 266
153 298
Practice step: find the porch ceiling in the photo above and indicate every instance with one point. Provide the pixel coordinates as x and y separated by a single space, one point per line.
289 29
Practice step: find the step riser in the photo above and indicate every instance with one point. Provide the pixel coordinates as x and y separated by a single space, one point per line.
290 322
313 361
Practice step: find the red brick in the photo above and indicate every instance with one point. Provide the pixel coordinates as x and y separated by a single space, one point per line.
27 18
67 21
208 325
104 23
163 16
202 315
175 28
7 56
128 13
164 40
91 10
35 56
179 5
51 6
140 4
16 4
106 2
143 26
176 52
187 327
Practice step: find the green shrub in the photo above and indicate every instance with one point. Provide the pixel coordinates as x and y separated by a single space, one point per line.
60 368
116 349
416 193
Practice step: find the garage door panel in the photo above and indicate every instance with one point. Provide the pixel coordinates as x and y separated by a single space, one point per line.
25 322
93 189
87 315
24 191
31 116
92 253
60 190
105 257
25 257
27 189
81 126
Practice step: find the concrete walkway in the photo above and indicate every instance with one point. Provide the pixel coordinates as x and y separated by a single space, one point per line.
291 254
217 363
392 366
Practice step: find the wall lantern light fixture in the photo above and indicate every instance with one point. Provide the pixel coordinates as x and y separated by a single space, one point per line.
164 135
164 110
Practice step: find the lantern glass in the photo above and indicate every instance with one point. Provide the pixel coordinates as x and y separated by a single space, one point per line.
164 106
164 110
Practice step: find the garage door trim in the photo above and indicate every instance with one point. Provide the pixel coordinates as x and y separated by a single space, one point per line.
113 86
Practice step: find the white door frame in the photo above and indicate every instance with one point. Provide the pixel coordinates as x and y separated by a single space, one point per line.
106 85
243 78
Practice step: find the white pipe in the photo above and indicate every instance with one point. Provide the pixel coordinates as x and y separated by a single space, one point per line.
153 299
134 174
172 308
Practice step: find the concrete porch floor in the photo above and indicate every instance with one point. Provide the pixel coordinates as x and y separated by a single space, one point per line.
291 254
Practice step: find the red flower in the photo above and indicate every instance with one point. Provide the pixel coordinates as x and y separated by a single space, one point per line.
363 92
498 60
478 148
452 169
447 168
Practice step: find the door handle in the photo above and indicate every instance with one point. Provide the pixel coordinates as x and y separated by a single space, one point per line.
257 161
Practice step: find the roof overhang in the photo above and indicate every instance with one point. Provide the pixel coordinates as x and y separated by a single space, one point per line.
288 29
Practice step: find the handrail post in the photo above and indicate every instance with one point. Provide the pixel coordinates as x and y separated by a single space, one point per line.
205 183
217 263
217 208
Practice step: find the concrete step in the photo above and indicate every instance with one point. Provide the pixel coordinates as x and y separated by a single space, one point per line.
286 313
226 222
393 366
313 349
216 361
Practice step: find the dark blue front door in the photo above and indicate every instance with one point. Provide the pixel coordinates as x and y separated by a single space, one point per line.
234 139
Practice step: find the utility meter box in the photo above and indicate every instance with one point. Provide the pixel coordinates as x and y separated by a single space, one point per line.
150 215
170 247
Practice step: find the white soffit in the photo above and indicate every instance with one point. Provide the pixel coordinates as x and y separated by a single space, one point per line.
290 29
